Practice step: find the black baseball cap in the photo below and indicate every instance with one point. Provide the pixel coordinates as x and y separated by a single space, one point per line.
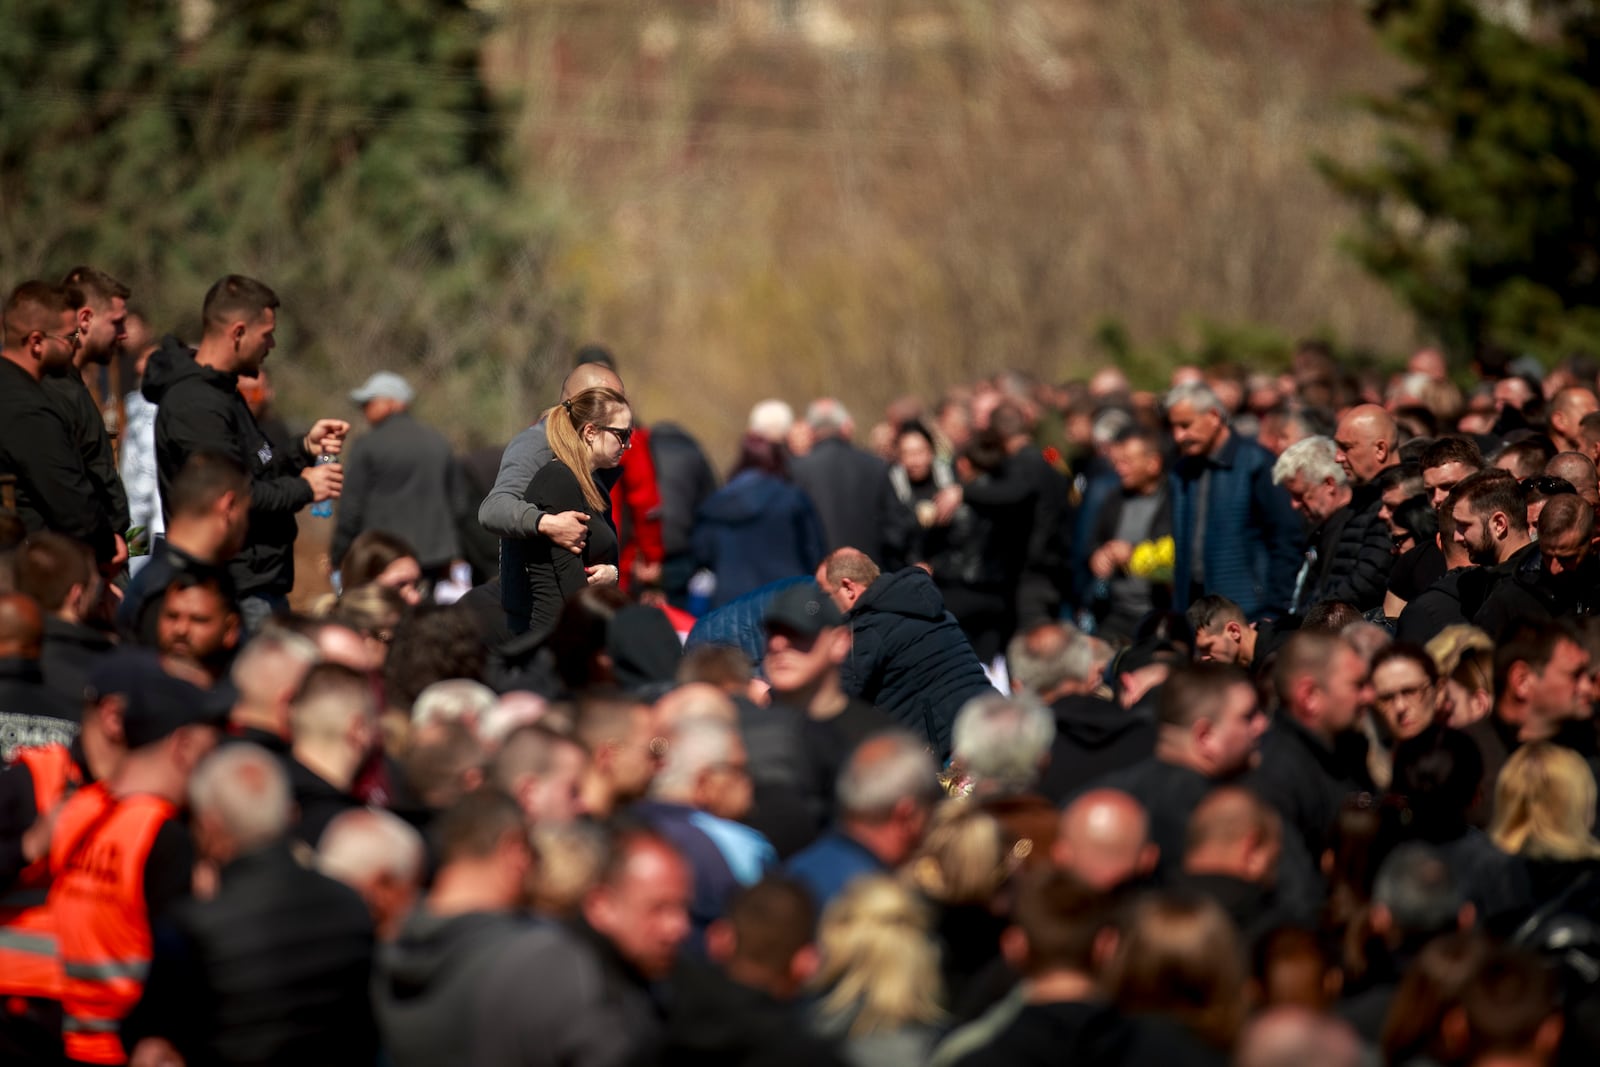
803 609
156 704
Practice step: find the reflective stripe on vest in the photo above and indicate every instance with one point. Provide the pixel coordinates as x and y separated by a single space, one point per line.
72 1024
113 971
30 964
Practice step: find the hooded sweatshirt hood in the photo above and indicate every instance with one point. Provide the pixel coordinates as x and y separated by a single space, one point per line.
172 363
909 592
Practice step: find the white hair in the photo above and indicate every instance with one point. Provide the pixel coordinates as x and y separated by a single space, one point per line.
453 700
362 844
1197 395
772 419
898 768
510 712
1003 741
828 416
695 746
245 788
1312 460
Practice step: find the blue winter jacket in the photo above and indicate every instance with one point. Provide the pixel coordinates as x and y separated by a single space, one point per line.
754 530
1253 537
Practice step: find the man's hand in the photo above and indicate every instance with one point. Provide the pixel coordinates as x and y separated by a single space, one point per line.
36 838
602 574
569 529
1109 558
155 1052
120 559
949 502
327 436
325 479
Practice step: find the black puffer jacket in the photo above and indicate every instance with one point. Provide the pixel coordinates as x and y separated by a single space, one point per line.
1363 555
910 658
201 410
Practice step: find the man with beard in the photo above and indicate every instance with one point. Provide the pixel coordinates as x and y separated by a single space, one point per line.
1555 585
102 327
199 627
1492 523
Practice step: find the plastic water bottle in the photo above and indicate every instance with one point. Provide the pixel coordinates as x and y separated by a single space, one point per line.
324 509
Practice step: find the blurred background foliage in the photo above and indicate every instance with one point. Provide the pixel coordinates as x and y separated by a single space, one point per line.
747 198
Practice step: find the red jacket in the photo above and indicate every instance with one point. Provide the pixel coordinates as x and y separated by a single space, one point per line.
636 506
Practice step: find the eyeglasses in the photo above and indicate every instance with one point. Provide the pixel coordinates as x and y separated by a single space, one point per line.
623 436
1546 485
1410 693
68 339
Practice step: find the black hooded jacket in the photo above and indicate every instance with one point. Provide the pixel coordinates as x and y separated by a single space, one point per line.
1093 737
201 410
909 656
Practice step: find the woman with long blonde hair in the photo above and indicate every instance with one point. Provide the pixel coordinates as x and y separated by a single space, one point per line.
878 982
587 433
1544 806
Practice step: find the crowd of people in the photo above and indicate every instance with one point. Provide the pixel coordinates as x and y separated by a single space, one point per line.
1251 722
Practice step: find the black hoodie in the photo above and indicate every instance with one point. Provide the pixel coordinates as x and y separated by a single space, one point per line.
1094 737
201 410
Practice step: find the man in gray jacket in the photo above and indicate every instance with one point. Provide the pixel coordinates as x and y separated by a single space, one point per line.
505 513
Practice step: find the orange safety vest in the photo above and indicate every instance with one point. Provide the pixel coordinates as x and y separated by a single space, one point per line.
97 857
30 961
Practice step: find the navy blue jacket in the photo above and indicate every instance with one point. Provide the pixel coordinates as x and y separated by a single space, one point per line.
1253 536
910 658
755 530
741 624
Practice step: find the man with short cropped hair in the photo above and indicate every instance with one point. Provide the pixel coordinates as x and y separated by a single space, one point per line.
543 769
102 327
208 507
1579 470
31 712
1314 756
55 490
886 793
1231 856
59 573
1209 728
266 675
333 721
1568 409
1104 841
381 857
198 626
1222 634
696 800
1350 548
1236 533
201 410
908 656
300 995
1558 581
849 486
1492 524
1446 463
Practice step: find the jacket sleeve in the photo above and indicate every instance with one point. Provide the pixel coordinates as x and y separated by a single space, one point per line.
861 674
1281 529
1364 586
58 481
558 490
504 512
102 463
813 544
643 498
352 503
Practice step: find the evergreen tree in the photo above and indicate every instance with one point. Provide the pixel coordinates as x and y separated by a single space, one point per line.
1482 211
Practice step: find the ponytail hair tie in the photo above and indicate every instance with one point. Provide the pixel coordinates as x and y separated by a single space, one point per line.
568 405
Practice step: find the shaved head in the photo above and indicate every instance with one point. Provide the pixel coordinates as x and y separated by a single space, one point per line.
588 376
1578 469
1368 441
1104 839
695 700
21 627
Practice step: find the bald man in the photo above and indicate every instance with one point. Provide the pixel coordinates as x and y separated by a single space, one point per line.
1231 855
1368 443
1579 470
1567 412
1295 1037
505 513
1104 840
31 714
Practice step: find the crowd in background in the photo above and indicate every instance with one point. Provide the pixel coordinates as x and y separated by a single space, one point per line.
1249 722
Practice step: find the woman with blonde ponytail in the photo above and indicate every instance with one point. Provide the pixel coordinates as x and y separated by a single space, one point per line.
588 432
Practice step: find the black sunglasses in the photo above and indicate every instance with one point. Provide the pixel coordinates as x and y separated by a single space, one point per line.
624 436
